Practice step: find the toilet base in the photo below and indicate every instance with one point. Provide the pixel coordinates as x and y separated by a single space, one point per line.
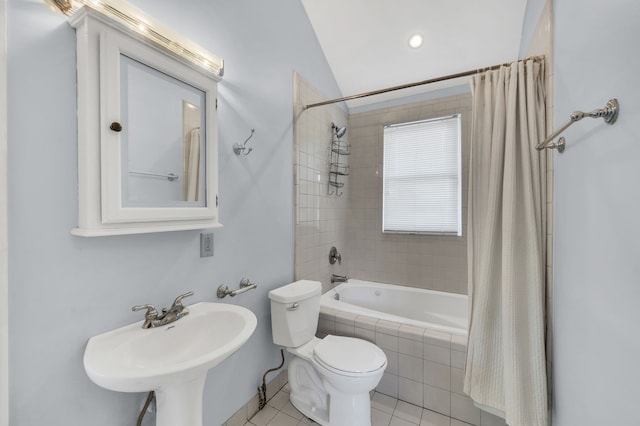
314 397
307 393
349 410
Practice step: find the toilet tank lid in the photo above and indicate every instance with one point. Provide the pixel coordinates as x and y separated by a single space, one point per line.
296 292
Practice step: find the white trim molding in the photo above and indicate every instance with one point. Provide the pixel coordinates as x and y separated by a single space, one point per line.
4 243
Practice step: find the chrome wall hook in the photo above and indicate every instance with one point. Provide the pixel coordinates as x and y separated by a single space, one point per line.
239 148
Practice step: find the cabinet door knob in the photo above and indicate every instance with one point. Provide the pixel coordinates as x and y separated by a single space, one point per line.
116 127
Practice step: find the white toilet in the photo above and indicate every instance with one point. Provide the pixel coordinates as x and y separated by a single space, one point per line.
330 378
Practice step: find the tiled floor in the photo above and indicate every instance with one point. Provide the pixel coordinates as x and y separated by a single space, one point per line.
385 411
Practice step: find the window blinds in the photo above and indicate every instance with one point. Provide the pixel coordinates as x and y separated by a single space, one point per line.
421 177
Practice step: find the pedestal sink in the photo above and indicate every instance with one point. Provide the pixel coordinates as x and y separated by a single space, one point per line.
172 360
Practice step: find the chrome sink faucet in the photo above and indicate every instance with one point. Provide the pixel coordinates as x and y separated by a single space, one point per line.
174 313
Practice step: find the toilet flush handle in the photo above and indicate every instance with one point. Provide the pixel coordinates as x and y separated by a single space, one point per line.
293 307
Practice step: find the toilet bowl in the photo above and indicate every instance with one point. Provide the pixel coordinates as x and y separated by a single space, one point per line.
330 378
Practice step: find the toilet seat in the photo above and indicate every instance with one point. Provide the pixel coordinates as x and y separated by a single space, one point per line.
348 356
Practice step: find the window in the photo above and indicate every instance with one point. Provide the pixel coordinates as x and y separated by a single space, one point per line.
421 177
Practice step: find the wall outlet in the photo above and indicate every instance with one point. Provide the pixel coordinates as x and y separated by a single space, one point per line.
206 244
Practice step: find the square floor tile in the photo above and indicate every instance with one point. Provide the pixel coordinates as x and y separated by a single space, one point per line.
264 416
383 403
281 419
379 418
397 421
290 410
431 418
409 412
279 400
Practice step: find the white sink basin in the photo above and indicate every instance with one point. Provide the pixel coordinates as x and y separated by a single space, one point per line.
172 360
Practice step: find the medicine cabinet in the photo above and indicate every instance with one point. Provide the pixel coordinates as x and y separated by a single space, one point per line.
147 133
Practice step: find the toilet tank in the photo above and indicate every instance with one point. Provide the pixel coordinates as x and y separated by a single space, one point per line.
295 309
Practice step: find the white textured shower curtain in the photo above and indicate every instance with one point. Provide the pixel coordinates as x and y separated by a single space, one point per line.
192 171
506 365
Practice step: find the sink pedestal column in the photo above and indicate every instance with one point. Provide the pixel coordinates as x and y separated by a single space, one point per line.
180 404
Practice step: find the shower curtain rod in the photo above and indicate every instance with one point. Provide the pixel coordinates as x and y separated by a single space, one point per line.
419 83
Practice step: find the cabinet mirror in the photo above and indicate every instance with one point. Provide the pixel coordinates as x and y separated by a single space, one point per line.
147 134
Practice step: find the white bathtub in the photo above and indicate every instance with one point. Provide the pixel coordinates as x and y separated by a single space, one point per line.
423 334
429 309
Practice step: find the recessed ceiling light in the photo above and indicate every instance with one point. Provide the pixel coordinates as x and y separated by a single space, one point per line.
415 41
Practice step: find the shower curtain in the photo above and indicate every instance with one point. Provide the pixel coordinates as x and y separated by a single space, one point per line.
192 170
506 366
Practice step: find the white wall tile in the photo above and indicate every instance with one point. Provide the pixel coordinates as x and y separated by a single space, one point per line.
366 139
437 354
345 330
436 399
437 338
392 361
326 326
388 385
388 327
364 334
410 391
411 332
458 359
410 347
346 318
386 341
410 367
457 380
438 375
365 322
458 343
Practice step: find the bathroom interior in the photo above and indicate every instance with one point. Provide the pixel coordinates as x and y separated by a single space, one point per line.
65 276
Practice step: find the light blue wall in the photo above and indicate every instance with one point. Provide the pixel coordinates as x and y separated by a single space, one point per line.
532 15
64 289
596 203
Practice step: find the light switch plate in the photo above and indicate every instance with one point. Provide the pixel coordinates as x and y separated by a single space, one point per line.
206 244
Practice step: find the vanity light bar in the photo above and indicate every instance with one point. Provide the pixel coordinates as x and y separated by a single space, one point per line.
150 29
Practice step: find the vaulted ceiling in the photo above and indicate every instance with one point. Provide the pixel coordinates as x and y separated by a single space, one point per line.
366 41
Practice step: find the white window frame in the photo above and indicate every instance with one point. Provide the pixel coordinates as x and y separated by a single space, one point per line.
388 156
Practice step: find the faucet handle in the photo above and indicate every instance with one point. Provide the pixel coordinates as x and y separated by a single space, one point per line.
151 310
178 300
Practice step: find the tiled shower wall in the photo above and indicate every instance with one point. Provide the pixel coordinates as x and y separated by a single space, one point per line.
425 261
541 44
320 218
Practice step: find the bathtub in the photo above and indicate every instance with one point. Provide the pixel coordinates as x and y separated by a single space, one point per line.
423 334
436 310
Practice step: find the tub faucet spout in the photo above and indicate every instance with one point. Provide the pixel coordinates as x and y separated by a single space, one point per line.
339 278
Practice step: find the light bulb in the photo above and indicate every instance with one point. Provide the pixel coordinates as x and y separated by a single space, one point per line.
415 41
